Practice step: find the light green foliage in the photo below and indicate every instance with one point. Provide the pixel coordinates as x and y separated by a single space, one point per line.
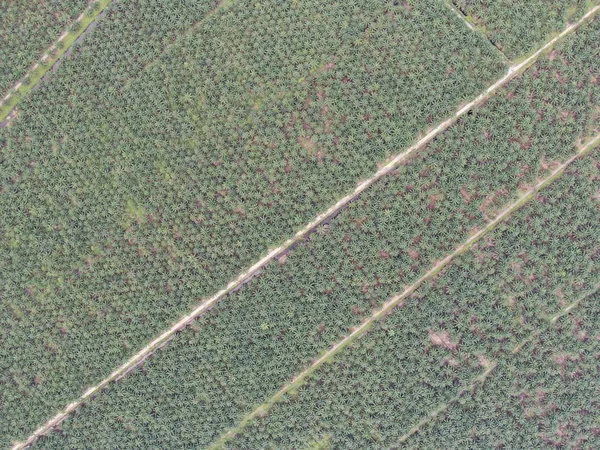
27 29
176 144
518 27
241 352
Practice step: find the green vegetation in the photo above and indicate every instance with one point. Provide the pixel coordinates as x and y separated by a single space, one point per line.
142 178
253 342
27 29
470 317
175 143
545 396
520 27
473 314
35 76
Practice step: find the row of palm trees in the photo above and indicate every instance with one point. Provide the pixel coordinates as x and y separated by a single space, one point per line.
155 207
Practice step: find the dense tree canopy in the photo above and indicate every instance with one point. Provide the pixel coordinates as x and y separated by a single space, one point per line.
179 141
248 346
520 27
545 396
474 314
27 29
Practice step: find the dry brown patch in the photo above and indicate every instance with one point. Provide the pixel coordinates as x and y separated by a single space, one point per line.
540 115
357 311
465 195
320 155
359 222
581 336
560 78
564 115
414 254
562 302
549 164
525 168
561 360
384 254
485 207
524 144
553 55
307 143
442 339
433 200
484 362
451 362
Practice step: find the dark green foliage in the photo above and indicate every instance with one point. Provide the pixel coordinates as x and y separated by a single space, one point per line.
167 153
240 353
545 396
518 27
27 29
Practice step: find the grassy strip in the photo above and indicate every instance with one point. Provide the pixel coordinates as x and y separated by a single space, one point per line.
592 7
398 299
59 48
517 35
444 406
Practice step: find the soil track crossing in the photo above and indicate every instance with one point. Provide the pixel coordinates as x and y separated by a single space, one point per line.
432 415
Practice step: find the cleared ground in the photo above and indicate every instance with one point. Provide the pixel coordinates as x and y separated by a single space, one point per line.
545 396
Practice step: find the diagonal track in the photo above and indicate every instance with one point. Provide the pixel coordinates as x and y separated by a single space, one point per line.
400 298
35 74
222 4
335 209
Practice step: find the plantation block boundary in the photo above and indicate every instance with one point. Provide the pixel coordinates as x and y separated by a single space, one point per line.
450 4
52 54
400 298
222 4
384 170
